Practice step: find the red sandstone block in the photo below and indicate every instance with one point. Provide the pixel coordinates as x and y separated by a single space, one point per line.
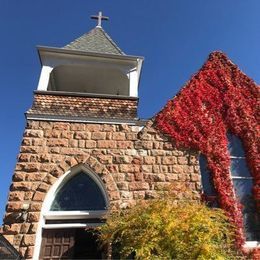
61 126
82 135
33 228
90 144
33 133
147 168
108 128
114 195
106 144
36 176
19 176
13 206
118 136
44 125
29 149
33 217
131 136
28 240
136 186
51 133
93 127
182 160
98 135
169 160
24 228
35 206
26 141
21 186
149 160
129 168
39 196
77 127
32 124
16 195
57 142
124 144
29 252
195 177
139 194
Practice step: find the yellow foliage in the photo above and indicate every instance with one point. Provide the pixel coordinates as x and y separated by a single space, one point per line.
160 229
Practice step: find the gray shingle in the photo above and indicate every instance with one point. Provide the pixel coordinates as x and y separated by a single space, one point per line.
97 40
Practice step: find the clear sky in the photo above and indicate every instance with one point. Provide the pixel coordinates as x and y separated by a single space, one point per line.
174 36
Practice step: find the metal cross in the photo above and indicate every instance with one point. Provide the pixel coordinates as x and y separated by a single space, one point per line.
99 17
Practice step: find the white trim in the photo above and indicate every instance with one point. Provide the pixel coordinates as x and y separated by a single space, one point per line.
43 50
47 214
241 178
75 214
72 225
252 244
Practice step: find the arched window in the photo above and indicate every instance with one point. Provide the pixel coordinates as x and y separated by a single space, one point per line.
80 192
242 183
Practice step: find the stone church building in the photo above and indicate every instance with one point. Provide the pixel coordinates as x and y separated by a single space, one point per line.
85 152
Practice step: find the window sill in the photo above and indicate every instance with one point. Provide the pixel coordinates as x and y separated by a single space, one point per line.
75 214
252 244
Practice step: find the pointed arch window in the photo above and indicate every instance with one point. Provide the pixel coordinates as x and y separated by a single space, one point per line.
242 183
80 192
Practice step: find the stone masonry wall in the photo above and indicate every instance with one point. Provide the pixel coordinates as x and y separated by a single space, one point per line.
134 165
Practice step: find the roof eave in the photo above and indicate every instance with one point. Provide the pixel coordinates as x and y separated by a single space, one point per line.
84 53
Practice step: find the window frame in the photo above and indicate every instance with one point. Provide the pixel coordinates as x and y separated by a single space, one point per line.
248 243
75 214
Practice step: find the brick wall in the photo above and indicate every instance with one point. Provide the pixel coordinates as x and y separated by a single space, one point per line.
133 164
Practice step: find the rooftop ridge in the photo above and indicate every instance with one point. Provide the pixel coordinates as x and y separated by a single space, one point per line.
96 40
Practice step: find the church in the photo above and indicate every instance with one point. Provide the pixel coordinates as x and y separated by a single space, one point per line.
85 152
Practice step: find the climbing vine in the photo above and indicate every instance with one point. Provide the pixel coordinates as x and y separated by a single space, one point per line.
218 99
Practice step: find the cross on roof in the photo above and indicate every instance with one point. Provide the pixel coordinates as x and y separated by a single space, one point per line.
99 17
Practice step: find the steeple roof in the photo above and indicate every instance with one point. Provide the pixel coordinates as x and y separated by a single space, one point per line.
97 40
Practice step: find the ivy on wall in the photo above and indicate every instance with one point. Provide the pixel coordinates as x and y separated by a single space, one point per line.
218 99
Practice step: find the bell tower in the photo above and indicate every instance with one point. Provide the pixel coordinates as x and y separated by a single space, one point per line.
90 79
81 125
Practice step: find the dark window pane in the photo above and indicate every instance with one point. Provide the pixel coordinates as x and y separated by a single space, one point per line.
207 183
243 189
239 167
235 146
79 193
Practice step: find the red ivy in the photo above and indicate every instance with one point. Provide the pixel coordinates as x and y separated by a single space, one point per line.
218 99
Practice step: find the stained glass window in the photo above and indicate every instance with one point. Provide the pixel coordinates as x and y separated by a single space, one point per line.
80 192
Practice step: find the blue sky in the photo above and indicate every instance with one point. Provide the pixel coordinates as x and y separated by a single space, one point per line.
174 36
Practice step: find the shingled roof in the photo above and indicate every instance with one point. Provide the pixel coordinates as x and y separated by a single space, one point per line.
97 40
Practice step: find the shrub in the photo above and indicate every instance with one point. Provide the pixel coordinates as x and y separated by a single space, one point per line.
166 230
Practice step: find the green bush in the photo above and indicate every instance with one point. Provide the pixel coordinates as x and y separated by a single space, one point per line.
162 229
